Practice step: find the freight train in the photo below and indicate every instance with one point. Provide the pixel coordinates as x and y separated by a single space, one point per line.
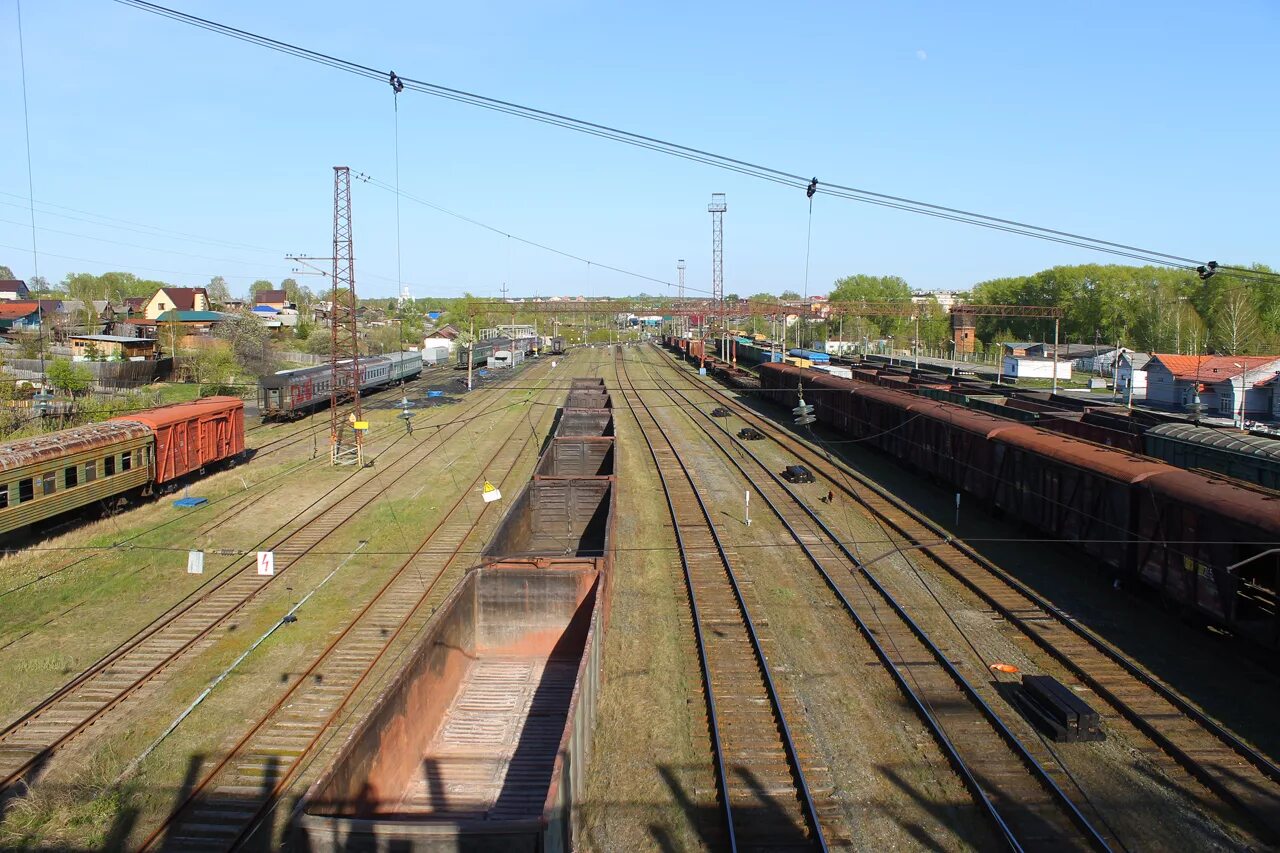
1197 540
291 394
47 476
526 625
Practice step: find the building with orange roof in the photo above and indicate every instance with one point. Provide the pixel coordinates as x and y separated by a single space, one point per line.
1234 386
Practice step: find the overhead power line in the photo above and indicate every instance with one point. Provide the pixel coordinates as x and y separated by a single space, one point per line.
709 158
383 185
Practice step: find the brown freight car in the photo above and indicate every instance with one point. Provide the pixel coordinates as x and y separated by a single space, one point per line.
482 740
190 436
577 456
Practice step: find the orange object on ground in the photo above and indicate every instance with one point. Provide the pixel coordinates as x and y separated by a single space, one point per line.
1005 667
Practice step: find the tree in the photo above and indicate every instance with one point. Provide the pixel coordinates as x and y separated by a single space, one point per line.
1235 325
38 284
731 297
762 297
294 293
218 290
259 286
874 288
250 343
790 296
215 369
6 273
71 378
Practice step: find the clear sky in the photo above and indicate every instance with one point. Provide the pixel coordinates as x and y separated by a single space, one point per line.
1143 122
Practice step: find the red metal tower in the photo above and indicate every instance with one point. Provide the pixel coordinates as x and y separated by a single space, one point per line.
346 429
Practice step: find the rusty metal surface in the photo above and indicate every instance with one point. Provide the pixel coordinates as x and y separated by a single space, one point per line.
585 422
471 745
56 445
577 456
588 399
556 518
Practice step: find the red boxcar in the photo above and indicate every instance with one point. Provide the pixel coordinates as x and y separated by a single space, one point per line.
190 436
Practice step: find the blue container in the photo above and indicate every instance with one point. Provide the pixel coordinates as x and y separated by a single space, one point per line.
435 393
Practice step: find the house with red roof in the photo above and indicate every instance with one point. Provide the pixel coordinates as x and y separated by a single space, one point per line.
1234 386
176 299
24 314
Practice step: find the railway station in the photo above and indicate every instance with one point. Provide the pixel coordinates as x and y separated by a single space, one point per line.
935 507
651 627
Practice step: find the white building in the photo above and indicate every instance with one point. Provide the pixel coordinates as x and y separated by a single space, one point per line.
1132 370
1029 367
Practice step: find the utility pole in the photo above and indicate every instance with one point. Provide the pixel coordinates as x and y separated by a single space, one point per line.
717 209
344 351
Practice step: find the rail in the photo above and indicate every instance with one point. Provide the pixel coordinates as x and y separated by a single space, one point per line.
1247 787
648 425
27 748
986 796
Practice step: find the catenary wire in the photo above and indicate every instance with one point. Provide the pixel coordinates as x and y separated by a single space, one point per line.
674 149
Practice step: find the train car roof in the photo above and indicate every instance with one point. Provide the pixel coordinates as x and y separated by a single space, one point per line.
1234 441
64 442
1245 503
178 412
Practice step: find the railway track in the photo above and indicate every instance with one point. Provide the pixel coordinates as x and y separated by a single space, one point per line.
28 743
1010 783
226 806
1173 734
765 798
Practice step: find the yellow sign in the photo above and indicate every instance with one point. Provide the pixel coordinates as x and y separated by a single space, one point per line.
490 493
360 425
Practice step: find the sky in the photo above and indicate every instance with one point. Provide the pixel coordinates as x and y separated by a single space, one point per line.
177 154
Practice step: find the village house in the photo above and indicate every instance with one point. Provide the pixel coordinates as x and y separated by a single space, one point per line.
272 299
19 315
1225 385
111 348
176 299
13 289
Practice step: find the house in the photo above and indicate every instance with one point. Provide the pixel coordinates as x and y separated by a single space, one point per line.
448 331
176 299
1033 367
13 289
272 299
19 315
232 304
1132 371
1230 385
134 306
111 348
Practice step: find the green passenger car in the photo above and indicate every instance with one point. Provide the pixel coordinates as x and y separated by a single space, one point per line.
48 475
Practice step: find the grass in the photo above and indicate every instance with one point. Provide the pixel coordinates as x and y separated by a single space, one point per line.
71 805
651 746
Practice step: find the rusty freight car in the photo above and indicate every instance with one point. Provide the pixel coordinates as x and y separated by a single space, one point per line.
481 742
48 476
577 456
189 436
1185 534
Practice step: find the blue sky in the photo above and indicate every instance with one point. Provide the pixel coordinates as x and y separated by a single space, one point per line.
1148 123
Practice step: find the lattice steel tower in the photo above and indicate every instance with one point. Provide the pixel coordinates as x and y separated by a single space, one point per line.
680 321
346 443
717 209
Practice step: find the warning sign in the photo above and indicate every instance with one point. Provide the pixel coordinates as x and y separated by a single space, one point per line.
266 562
